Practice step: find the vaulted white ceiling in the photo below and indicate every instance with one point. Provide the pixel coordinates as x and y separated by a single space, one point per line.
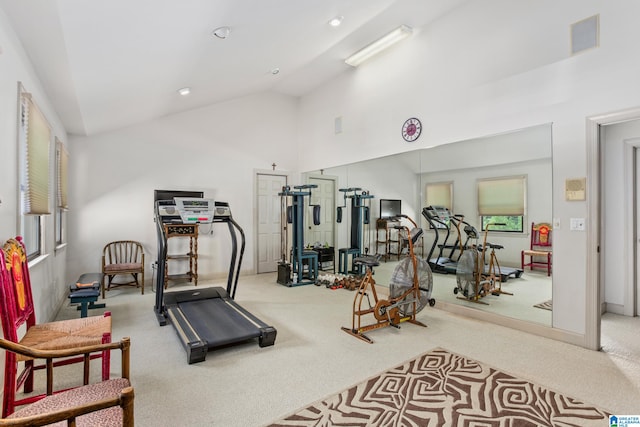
110 64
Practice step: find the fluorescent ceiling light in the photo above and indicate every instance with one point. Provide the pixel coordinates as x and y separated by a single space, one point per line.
378 46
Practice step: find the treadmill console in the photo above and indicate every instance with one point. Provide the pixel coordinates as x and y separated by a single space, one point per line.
195 210
222 211
440 216
167 210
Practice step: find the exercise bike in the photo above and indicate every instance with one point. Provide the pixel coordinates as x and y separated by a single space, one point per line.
409 291
474 278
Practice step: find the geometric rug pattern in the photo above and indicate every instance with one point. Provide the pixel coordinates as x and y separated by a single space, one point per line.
545 305
440 388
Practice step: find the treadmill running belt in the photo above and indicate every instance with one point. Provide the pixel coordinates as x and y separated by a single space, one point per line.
218 323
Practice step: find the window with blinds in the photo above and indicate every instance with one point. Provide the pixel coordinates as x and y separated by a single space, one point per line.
439 194
62 204
34 144
502 203
62 165
37 135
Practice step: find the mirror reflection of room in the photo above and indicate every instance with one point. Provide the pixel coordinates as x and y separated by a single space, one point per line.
502 179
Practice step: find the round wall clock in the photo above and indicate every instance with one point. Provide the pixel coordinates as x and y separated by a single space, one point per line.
411 129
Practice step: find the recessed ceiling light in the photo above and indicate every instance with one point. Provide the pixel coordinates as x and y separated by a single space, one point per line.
275 71
335 22
221 32
184 91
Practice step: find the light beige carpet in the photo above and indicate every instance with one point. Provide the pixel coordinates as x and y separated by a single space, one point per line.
441 388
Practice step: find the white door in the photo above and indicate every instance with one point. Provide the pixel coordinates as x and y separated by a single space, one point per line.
268 221
324 196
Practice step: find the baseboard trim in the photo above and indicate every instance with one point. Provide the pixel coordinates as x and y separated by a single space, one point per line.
520 325
613 308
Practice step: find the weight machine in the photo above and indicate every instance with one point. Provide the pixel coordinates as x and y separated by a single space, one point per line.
295 213
360 216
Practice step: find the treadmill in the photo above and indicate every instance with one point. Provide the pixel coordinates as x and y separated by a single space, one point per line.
439 218
206 318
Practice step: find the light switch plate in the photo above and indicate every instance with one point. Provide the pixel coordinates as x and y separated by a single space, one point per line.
577 224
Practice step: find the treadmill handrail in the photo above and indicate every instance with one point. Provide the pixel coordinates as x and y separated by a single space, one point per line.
437 224
231 290
161 266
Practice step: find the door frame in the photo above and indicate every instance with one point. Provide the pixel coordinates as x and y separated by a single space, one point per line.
631 147
635 288
333 178
593 262
256 214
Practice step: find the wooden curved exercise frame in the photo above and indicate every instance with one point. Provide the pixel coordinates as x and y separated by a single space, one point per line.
489 281
385 311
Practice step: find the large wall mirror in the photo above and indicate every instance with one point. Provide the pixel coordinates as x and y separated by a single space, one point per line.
456 168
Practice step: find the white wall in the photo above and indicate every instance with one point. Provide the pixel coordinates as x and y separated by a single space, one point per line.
48 275
490 67
214 149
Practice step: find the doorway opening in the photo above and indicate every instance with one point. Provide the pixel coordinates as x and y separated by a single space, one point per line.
597 128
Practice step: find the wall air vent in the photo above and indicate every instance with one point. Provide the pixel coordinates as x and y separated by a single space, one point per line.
585 34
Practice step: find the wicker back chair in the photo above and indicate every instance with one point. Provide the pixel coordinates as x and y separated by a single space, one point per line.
18 317
540 250
105 403
123 257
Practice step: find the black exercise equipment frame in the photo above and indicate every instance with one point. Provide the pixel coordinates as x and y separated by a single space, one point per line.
207 318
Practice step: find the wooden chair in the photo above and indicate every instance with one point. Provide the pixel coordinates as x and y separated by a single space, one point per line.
18 317
109 402
540 248
122 257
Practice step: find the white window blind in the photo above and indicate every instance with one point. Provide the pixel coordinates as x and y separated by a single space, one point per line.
62 169
440 194
37 134
502 196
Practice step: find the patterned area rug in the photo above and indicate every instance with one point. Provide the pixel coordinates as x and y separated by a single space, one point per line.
545 305
441 388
